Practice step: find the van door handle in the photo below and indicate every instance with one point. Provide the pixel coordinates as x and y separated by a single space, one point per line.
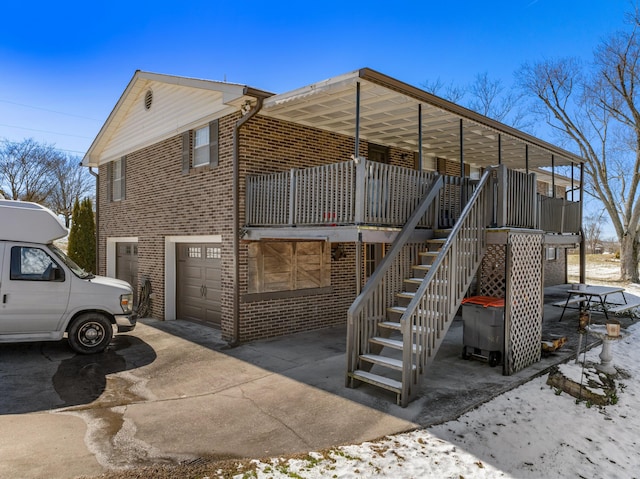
205 291
4 299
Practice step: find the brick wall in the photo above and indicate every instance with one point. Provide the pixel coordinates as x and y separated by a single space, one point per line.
161 201
555 270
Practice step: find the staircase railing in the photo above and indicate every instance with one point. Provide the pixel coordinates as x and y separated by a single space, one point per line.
370 307
434 305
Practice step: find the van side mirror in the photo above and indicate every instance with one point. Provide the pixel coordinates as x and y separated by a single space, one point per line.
58 274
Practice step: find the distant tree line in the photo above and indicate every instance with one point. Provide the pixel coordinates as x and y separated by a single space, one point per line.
32 171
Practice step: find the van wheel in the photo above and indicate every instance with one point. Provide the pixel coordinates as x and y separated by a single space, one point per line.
90 333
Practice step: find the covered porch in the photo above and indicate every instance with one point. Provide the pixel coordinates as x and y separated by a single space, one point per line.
469 216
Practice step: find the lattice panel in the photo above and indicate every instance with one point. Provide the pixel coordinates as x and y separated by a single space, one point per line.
492 272
524 312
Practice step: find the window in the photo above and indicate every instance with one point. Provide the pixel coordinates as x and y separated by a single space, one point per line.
378 153
200 147
372 256
551 254
33 264
214 252
287 266
116 181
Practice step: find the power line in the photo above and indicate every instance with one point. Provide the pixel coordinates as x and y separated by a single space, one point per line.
46 131
47 109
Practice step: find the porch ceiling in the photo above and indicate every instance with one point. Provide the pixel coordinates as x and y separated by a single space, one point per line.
389 116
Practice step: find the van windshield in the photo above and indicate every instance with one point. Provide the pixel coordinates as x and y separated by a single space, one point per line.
77 270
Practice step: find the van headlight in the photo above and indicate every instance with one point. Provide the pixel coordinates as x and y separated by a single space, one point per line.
126 302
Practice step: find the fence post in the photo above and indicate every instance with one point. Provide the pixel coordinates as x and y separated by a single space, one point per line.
501 206
361 186
292 197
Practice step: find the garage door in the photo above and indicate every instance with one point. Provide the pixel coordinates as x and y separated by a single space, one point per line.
199 283
127 265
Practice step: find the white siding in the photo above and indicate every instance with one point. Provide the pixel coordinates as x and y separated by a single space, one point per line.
174 109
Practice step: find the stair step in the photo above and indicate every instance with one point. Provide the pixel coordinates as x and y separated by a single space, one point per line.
402 309
390 325
383 361
395 325
390 343
406 294
377 380
429 253
422 267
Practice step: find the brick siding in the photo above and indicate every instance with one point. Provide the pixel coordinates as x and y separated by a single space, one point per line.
161 201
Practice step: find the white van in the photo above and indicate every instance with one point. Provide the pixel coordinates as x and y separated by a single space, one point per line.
45 295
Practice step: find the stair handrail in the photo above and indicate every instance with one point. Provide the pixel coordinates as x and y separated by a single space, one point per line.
378 275
406 326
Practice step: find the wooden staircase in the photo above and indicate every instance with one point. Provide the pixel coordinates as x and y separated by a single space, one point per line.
391 347
384 368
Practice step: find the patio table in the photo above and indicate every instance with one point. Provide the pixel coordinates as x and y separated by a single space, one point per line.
594 296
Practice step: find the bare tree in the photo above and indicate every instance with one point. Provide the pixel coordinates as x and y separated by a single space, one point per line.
592 230
487 96
26 170
594 112
72 183
449 91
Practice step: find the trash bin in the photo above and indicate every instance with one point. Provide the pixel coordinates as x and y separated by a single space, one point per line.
483 333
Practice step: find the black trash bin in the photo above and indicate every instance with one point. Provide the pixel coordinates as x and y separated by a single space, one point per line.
483 333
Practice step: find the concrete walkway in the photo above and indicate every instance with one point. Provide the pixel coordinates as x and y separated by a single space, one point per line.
174 392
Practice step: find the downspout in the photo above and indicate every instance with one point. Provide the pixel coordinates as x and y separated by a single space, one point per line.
97 177
583 253
235 340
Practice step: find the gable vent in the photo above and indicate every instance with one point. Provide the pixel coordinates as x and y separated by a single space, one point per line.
148 99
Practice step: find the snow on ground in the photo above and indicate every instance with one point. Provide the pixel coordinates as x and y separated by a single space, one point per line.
530 432
533 431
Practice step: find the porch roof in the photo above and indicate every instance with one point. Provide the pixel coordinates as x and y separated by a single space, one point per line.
389 116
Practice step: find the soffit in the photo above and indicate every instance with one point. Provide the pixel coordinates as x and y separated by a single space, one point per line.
389 116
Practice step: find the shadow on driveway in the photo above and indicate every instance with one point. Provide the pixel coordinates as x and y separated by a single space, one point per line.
48 375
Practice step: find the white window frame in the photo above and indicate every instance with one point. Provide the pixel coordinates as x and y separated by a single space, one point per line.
551 253
201 155
116 180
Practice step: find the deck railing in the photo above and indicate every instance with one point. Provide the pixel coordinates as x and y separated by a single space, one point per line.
516 205
352 192
558 215
436 302
367 192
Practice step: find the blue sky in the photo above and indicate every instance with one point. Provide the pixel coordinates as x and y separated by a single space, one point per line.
63 65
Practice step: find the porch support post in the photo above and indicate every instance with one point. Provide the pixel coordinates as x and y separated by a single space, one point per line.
501 206
553 176
357 148
420 136
499 149
292 196
583 253
361 190
359 264
461 149
573 186
526 157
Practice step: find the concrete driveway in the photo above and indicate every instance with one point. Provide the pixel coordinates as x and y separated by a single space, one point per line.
172 391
